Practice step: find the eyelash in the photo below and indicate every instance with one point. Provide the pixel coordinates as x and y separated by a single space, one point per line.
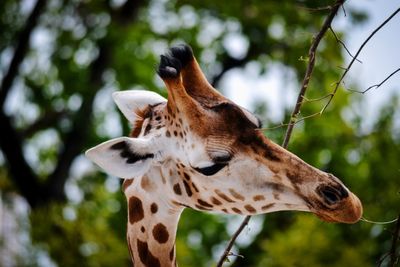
211 170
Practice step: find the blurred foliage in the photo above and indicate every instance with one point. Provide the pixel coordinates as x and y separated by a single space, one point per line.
59 74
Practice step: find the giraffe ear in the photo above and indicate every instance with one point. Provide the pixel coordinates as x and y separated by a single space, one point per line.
132 103
123 157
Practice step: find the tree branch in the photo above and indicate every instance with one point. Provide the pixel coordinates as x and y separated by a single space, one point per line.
11 143
20 50
296 110
24 178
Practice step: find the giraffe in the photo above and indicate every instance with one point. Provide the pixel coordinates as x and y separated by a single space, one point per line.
197 149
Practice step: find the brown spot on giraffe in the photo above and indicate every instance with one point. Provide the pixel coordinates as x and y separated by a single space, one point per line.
147 129
275 186
195 187
154 208
147 184
160 233
223 196
187 176
126 184
135 208
187 188
236 194
177 189
258 197
236 210
215 201
267 207
142 229
202 207
204 203
145 255
250 208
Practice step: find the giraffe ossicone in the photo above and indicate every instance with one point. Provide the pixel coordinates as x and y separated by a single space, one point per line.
199 150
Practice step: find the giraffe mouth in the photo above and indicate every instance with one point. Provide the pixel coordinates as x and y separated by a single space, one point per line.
349 211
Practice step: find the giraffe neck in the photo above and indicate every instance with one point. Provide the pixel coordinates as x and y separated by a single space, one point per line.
152 223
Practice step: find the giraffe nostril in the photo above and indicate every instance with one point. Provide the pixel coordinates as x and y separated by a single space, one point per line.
332 194
330 197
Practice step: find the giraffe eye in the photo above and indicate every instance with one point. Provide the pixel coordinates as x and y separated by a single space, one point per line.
211 170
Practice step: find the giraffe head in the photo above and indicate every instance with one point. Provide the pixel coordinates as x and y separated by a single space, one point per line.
211 153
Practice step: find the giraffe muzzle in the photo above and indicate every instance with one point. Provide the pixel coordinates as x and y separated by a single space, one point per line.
346 210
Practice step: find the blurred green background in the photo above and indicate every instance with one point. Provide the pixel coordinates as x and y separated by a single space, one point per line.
57 209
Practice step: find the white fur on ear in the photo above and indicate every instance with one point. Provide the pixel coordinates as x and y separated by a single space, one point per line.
131 102
123 157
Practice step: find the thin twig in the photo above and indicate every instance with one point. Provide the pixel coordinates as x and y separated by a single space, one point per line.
294 121
21 49
382 259
323 8
296 110
379 223
340 67
274 127
355 56
342 43
344 10
376 86
315 99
